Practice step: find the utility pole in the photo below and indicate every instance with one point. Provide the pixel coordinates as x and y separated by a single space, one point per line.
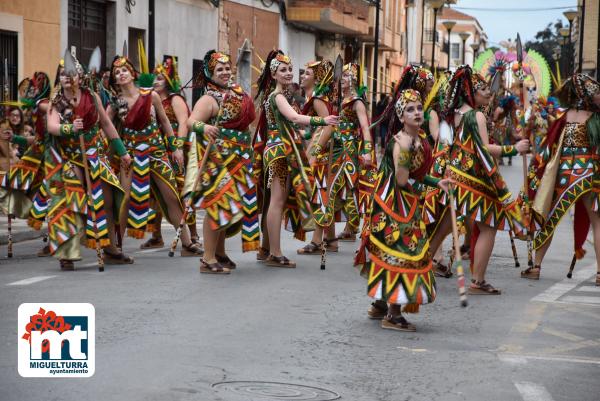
375 59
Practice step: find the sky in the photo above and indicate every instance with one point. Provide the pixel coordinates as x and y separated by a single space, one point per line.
503 25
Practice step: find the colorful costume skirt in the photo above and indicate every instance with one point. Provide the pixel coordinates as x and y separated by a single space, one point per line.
221 186
68 203
399 265
150 162
578 174
280 162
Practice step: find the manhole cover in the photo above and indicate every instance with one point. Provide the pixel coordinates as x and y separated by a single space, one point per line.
278 391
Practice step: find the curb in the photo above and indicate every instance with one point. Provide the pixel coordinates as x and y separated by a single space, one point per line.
21 236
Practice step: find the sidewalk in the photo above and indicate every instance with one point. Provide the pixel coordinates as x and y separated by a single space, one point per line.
20 231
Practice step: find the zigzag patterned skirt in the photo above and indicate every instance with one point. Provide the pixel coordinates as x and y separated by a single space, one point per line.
578 174
150 162
68 200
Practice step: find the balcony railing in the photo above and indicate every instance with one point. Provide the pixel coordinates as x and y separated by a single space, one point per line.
429 35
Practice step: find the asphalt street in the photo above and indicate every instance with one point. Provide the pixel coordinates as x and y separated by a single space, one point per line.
166 332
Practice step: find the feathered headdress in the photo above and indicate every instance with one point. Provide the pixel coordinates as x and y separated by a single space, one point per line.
578 92
356 73
508 102
168 69
323 72
37 89
461 89
207 69
265 81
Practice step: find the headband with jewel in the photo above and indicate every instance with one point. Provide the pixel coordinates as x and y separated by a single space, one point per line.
168 69
406 96
280 58
422 77
216 58
478 82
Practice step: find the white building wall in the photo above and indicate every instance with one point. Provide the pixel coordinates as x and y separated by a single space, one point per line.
186 29
299 45
413 33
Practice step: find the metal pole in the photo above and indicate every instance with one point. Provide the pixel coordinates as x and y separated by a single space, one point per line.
598 52
375 60
449 47
422 31
435 11
581 26
463 56
151 34
570 50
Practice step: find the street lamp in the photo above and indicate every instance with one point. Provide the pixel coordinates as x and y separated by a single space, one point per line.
435 5
570 15
449 25
475 47
464 36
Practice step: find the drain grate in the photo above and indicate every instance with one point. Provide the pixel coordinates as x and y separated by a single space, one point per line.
278 391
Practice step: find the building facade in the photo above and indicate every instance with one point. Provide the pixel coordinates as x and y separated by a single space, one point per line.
585 36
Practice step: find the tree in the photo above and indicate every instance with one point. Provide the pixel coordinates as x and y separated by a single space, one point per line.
546 43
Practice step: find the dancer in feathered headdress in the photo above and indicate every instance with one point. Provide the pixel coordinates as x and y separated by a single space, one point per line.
394 253
482 196
280 163
139 111
219 134
566 172
168 86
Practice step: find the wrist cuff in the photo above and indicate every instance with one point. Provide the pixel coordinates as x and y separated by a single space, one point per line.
198 127
118 146
66 130
19 140
174 143
431 181
317 122
508 151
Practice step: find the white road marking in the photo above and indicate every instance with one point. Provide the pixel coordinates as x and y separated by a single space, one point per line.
582 300
589 288
533 392
87 264
151 250
559 289
512 359
508 357
31 280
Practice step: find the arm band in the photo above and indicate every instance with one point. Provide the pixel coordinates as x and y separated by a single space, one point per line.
174 143
316 150
19 140
404 159
317 122
368 146
66 129
508 151
198 127
431 181
118 146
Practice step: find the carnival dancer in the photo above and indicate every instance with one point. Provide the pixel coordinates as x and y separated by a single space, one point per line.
396 251
280 164
506 123
482 197
219 122
567 172
25 177
317 81
356 154
75 112
137 111
168 86
543 115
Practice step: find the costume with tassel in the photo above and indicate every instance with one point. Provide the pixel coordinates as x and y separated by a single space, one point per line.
395 250
227 190
568 167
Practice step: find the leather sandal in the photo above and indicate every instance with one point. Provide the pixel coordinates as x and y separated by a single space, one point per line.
329 247
397 323
483 288
226 262
262 254
280 261
213 268
378 310
66 264
153 243
598 279
532 273
44 252
193 249
311 248
117 258
347 236
441 270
